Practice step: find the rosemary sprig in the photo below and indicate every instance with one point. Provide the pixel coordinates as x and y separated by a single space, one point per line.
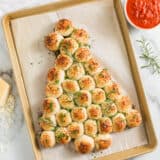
152 61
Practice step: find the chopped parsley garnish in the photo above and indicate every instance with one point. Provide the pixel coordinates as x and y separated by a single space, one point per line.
59 136
57 81
62 117
108 100
76 131
51 106
45 120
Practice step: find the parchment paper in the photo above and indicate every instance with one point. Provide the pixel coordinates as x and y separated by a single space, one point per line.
100 20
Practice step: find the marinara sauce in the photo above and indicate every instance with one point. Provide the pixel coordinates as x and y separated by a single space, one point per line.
144 13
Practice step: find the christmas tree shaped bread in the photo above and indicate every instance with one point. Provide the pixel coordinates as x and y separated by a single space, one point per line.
83 103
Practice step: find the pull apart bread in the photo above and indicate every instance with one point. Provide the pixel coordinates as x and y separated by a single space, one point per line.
83 103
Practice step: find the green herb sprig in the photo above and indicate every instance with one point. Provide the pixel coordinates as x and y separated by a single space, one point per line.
152 61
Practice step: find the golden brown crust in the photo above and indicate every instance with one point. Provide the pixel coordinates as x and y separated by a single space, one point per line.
82 54
52 74
98 96
124 104
63 118
47 106
52 41
105 125
87 83
76 71
62 135
103 144
103 141
79 114
133 118
53 90
50 105
84 147
83 98
47 139
63 24
90 127
119 123
81 36
64 27
75 129
92 66
112 90
109 109
70 86
68 46
84 144
102 78
47 122
55 75
66 101
63 62
94 111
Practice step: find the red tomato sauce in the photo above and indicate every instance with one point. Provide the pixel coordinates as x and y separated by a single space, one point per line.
144 13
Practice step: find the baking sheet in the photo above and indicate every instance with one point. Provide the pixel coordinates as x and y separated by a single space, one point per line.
100 20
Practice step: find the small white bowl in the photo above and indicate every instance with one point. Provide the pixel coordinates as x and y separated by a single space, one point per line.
128 19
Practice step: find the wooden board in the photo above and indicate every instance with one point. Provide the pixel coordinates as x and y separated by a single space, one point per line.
152 142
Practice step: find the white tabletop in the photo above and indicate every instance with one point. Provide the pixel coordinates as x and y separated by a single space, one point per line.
20 147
